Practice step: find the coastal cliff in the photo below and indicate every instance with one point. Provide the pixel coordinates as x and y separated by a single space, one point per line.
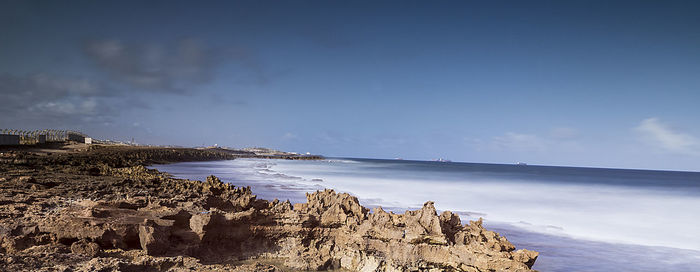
100 209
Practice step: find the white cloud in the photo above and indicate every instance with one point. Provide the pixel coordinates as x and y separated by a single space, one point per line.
563 133
60 107
518 142
68 105
558 139
661 136
290 136
175 67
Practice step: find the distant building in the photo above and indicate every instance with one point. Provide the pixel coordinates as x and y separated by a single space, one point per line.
7 139
266 151
72 136
32 137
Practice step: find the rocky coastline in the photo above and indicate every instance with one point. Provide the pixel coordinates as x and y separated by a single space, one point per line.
101 209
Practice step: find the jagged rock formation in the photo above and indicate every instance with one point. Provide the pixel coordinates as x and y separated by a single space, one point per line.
135 219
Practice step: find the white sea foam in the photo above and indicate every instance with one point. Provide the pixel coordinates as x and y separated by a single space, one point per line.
603 213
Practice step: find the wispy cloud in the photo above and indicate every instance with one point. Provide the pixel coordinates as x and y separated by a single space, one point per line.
290 136
661 136
563 133
155 66
335 138
51 97
53 100
556 140
518 142
176 67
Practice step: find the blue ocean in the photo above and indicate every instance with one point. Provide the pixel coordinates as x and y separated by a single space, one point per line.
579 219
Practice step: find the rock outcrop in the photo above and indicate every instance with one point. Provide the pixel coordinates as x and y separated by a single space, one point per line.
125 217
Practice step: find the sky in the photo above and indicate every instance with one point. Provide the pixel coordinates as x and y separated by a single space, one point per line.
576 83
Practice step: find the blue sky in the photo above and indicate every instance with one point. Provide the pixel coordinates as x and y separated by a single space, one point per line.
585 83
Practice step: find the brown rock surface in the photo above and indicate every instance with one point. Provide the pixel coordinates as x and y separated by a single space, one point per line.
102 210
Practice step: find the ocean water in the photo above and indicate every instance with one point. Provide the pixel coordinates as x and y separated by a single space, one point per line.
579 219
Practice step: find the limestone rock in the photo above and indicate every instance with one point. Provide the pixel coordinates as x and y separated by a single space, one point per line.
102 210
154 239
86 248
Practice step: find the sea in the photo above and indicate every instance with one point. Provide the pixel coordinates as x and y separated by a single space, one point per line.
579 219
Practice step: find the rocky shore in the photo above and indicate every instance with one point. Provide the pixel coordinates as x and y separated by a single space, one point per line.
100 209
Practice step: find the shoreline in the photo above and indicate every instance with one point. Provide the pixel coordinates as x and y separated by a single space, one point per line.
100 207
290 180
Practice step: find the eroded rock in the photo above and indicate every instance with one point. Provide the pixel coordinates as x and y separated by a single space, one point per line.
114 214
86 248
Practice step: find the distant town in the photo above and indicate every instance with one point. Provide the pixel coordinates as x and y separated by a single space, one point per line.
17 137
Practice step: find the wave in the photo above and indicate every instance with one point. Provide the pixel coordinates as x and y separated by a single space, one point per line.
562 220
341 161
620 214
